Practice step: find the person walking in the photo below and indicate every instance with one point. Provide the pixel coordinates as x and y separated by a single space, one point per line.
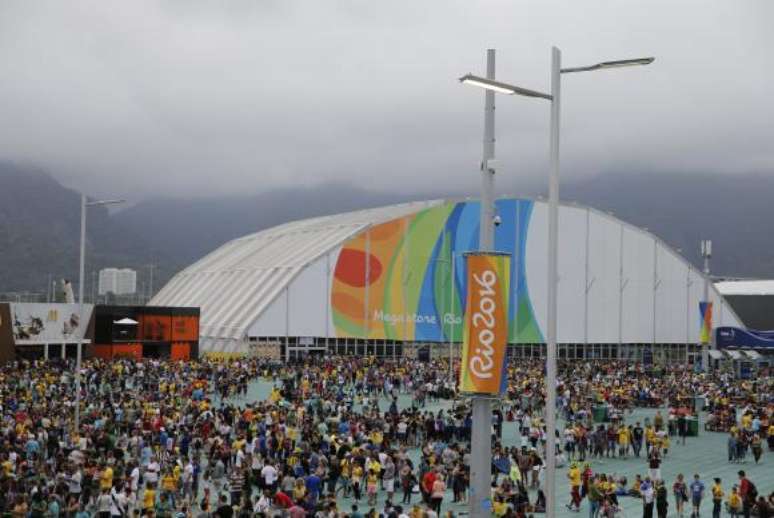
717 498
680 492
697 495
748 492
574 474
662 499
436 495
595 497
654 464
648 496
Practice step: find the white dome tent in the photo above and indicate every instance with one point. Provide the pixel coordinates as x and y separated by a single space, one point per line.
371 281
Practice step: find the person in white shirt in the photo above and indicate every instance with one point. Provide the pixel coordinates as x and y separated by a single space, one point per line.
119 503
134 479
74 483
269 474
152 472
187 480
262 505
104 502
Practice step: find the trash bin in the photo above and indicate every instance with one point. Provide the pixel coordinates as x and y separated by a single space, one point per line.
600 413
693 426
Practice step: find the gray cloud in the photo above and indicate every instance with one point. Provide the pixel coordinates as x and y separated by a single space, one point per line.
193 98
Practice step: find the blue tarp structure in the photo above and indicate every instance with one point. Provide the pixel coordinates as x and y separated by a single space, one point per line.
734 337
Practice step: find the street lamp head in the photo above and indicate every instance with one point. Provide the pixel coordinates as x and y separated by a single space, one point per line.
503 88
620 63
98 203
627 63
487 84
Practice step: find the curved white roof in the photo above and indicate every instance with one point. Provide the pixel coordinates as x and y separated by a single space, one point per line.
235 283
237 286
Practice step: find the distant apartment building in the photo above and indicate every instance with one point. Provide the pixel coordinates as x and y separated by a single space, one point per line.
119 281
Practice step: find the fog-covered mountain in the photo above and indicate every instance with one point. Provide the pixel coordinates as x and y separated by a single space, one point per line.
39 221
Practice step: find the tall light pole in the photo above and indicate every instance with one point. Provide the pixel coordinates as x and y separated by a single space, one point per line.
492 86
706 254
79 353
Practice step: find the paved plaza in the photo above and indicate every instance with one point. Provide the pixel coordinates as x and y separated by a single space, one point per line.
705 455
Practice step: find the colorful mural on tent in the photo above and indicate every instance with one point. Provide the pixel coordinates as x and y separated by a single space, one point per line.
705 322
394 280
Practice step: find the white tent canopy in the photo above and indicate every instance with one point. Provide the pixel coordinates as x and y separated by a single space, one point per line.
126 322
715 354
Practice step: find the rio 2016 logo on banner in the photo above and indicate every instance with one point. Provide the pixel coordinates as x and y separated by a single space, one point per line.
486 324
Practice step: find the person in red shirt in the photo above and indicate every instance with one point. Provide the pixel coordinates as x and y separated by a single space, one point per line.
427 484
283 500
748 493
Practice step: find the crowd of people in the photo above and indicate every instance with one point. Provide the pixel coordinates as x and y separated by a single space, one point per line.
184 439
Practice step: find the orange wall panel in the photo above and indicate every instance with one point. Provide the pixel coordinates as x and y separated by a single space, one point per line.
185 328
102 351
180 351
130 350
157 328
108 352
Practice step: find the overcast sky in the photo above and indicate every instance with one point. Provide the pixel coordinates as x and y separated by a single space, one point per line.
190 98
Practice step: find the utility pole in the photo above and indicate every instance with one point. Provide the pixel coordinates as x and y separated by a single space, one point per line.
151 267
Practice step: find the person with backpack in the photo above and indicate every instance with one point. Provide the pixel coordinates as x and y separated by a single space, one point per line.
748 492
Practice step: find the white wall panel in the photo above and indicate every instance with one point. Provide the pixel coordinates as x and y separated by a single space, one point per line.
638 294
535 257
572 273
670 297
307 301
604 263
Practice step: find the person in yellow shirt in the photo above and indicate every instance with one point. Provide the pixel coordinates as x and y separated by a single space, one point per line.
499 507
734 502
650 436
372 485
238 443
376 437
346 467
357 481
717 498
299 491
623 441
373 464
665 443
7 467
106 478
574 474
148 499
747 421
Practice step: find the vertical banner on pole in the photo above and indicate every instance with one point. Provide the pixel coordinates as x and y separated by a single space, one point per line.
485 329
705 321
